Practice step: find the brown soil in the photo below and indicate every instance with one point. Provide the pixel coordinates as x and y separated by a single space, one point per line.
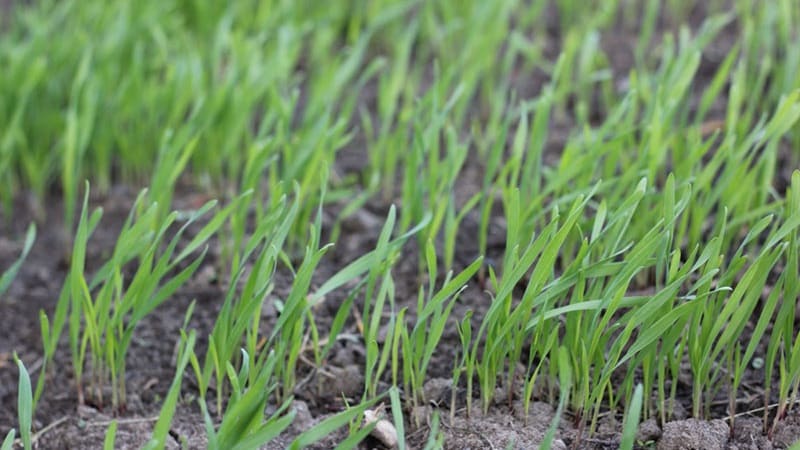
60 423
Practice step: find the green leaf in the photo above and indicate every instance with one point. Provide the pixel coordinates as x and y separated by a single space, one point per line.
24 404
397 415
8 276
631 424
111 436
362 265
8 442
266 432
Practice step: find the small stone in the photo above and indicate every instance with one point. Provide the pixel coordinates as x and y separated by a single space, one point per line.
302 419
384 430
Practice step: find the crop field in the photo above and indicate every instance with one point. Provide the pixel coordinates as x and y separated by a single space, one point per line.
400 224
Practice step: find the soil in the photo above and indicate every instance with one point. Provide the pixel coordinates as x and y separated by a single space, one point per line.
61 424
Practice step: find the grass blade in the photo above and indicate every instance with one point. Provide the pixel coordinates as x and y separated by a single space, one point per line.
631 424
8 276
24 404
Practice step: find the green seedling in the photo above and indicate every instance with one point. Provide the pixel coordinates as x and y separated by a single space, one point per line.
104 312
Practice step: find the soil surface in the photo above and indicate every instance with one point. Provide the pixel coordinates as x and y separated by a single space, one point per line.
61 424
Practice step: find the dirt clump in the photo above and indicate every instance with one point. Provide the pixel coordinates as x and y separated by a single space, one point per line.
693 434
500 429
787 432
